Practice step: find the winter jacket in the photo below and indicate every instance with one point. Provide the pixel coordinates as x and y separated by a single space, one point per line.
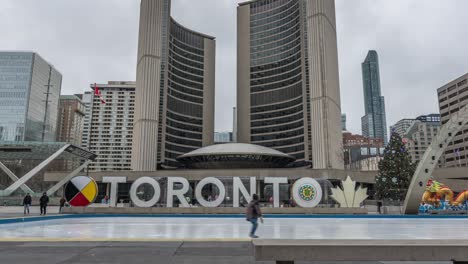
27 200
253 210
44 200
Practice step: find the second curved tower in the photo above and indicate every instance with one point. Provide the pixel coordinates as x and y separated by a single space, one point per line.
174 103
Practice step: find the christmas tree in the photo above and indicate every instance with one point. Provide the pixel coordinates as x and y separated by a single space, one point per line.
395 171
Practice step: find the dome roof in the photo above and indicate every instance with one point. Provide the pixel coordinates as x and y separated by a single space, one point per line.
235 155
235 148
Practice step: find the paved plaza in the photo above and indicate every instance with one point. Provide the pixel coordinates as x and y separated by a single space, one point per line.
137 253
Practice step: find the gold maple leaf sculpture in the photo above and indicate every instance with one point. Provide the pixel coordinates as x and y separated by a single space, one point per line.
349 196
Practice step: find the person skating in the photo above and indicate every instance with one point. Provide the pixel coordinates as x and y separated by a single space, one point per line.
62 204
27 203
43 203
253 214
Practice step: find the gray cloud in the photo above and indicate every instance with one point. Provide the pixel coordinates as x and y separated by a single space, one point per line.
421 44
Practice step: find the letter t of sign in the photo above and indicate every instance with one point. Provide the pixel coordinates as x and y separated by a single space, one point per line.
276 181
114 181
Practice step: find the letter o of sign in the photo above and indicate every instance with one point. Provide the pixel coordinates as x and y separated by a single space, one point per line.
199 196
133 192
307 192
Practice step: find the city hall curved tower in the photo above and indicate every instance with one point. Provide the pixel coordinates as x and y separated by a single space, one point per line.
174 102
288 95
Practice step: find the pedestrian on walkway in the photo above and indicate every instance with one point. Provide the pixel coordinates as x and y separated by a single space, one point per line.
379 207
62 204
27 203
43 203
253 214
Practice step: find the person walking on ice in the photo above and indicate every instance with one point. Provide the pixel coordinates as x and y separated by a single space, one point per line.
253 214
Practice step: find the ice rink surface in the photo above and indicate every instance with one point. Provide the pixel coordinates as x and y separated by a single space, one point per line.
149 228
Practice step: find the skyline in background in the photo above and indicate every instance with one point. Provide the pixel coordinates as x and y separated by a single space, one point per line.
420 50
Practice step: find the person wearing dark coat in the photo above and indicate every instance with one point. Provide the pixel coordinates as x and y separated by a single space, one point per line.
253 214
43 201
62 204
27 203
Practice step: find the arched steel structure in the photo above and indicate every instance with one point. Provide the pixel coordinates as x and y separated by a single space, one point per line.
430 160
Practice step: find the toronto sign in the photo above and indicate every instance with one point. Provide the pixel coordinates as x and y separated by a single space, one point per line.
306 192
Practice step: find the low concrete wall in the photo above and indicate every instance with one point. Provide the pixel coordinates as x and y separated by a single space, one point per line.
205 210
288 250
18 201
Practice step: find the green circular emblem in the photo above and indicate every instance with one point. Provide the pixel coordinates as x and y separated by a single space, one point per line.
307 192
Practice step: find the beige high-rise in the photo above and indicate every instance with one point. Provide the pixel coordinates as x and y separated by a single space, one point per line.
288 94
453 97
174 106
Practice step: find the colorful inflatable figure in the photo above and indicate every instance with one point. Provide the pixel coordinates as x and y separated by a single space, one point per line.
438 194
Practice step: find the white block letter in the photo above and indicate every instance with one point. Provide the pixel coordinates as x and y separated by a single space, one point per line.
198 192
179 193
133 192
114 181
276 181
238 186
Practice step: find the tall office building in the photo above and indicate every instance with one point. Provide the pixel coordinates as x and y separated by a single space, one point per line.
343 122
288 95
87 100
453 97
234 125
402 126
222 137
174 101
70 128
420 134
374 123
109 126
71 120
29 97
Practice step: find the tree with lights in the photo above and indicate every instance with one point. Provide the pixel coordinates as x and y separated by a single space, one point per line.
396 170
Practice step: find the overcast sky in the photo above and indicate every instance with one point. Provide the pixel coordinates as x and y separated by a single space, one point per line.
422 45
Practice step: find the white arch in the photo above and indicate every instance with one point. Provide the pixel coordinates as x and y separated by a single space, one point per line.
430 160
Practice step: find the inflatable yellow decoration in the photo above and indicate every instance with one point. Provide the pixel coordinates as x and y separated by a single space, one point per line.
435 191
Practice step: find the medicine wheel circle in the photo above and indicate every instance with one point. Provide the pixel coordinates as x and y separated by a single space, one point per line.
81 191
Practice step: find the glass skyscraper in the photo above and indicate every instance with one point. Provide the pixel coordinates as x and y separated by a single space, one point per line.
29 97
343 122
374 123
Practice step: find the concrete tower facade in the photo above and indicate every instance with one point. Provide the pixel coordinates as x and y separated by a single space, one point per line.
174 103
288 95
